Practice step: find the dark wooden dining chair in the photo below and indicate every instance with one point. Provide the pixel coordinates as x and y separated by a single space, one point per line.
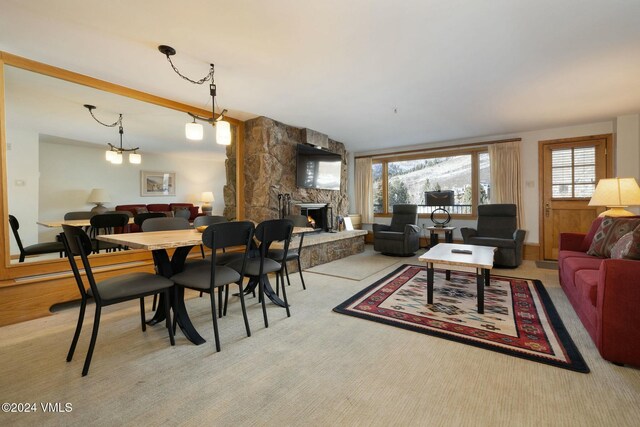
106 224
165 224
207 220
35 249
141 218
257 268
206 277
110 291
292 254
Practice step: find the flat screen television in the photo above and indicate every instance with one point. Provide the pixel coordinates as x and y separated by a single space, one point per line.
318 168
439 198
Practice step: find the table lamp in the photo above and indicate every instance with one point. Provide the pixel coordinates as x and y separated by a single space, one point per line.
206 198
616 194
99 196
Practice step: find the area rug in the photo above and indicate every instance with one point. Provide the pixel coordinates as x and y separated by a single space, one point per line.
520 319
356 267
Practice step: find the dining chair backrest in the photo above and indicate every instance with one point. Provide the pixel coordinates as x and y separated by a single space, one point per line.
165 224
105 223
15 225
182 213
274 230
77 243
208 220
298 220
227 234
142 217
78 215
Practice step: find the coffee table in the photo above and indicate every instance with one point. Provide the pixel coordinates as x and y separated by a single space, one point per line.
480 258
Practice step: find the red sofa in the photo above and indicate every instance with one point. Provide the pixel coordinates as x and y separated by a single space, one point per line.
605 293
158 207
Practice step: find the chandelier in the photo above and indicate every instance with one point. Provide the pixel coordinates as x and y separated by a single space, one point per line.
193 130
114 153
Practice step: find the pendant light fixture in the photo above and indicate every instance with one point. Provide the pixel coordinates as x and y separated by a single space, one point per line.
114 153
193 130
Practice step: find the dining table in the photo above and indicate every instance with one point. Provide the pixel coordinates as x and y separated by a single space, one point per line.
158 242
74 222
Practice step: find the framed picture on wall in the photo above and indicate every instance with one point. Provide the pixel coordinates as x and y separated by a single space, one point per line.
157 183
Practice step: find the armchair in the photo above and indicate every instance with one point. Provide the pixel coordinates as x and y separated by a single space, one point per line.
402 237
497 227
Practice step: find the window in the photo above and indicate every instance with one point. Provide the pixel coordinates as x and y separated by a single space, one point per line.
573 172
407 181
378 206
484 175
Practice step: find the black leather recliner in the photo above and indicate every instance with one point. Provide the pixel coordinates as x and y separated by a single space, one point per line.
402 237
497 226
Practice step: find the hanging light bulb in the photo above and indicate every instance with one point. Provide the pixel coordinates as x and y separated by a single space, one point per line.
117 159
109 155
135 158
223 133
194 131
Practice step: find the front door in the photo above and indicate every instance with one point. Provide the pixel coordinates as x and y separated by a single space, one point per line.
570 169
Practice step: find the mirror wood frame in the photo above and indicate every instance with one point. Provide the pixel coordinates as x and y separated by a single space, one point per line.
21 275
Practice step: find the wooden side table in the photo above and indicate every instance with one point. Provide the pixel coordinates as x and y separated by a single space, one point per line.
433 235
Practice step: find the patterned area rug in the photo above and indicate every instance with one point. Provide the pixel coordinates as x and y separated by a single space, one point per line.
520 319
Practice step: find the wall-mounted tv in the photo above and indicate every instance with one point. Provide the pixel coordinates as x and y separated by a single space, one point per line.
318 168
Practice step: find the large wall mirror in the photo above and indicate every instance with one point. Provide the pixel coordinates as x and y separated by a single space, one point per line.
55 154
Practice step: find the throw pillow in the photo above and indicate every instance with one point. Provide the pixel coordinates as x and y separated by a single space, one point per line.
628 246
610 231
142 210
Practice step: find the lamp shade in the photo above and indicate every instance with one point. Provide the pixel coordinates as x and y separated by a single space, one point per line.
194 131
223 133
207 197
98 195
616 193
135 158
109 155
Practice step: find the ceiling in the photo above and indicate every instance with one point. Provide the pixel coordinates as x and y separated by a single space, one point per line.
370 73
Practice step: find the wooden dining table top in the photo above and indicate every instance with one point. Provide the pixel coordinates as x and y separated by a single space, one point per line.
154 240
74 222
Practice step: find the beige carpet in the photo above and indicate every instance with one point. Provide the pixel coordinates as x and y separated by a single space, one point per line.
317 368
357 267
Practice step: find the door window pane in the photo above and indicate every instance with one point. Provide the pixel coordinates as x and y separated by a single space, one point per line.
573 172
484 178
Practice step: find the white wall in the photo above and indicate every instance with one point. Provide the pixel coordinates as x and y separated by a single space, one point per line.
627 130
22 184
627 148
68 173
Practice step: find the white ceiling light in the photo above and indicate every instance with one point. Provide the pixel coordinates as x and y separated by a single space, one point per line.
114 154
193 130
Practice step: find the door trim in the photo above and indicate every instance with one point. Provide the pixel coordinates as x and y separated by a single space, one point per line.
541 146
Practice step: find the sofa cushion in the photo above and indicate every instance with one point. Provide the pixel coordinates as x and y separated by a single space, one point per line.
572 265
158 207
588 238
563 255
609 232
628 246
587 283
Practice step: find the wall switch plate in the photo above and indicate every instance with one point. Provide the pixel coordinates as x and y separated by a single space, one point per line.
19 182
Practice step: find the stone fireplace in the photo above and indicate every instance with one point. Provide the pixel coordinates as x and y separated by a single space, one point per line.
270 170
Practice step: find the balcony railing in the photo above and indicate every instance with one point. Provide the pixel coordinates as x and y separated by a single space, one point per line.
424 209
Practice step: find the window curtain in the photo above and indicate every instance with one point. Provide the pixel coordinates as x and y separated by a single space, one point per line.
364 189
506 181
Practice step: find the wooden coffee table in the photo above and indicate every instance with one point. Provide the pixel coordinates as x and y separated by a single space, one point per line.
480 258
